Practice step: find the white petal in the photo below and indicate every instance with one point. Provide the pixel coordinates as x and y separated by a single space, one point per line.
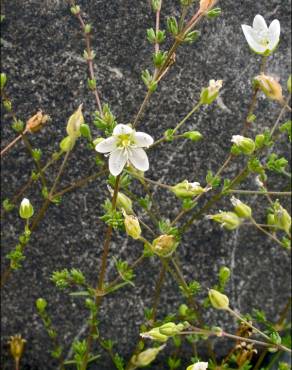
122 130
107 145
139 159
259 23
117 161
143 140
249 34
274 34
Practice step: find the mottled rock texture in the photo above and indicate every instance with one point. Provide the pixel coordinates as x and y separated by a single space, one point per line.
42 48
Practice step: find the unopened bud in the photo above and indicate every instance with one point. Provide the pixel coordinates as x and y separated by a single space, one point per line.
183 309
164 245
85 130
132 226
3 80
87 28
41 304
36 122
124 203
282 218
218 300
67 144
210 93
16 347
155 334
146 357
26 209
193 135
74 123
170 329
270 87
244 144
75 9
187 189
224 275
198 366
241 209
228 220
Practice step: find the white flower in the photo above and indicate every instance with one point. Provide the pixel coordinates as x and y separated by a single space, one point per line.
125 145
261 38
237 139
198 366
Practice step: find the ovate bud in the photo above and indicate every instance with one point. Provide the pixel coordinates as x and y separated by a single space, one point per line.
198 366
193 135
282 218
125 203
146 357
26 209
74 123
170 328
16 347
244 144
224 275
155 334
218 300
228 220
241 209
164 245
187 189
270 87
41 304
210 93
67 144
132 226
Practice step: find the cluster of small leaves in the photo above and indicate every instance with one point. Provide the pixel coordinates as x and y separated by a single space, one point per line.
106 121
192 289
212 180
287 127
276 164
124 183
149 81
66 278
16 256
108 345
125 271
145 202
165 227
112 216
8 205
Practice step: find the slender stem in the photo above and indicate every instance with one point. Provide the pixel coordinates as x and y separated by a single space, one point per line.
12 143
158 289
196 107
266 232
250 192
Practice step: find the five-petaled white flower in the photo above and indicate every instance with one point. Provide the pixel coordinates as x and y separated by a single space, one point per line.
125 145
261 38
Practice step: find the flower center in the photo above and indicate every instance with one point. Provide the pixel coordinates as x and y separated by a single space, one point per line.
263 37
125 140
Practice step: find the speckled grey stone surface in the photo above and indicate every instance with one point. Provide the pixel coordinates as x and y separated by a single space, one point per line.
42 47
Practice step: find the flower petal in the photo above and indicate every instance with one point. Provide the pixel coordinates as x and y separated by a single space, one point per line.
122 130
117 161
249 34
107 145
259 23
143 140
274 34
139 159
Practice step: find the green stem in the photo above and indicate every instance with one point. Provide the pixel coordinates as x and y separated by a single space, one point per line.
250 192
266 232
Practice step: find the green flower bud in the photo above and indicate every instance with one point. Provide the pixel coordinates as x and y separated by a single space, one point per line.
218 300
156 5
170 329
7 105
75 9
228 220
155 334
244 144
282 218
67 144
259 141
289 84
18 125
26 209
164 245
3 80
124 203
210 93
224 275
74 123
85 130
183 309
187 189
41 304
87 28
132 226
146 357
241 209
193 135
270 87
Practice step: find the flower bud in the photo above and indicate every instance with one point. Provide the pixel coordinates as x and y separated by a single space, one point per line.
3 80
155 334
193 135
241 209
282 218
74 123
132 226
187 189
87 28
218 300
183 309
125 203
75 9
206 5
36 122
146 357
26 209
67 144
244 144
16 347
228 220
170 329
41 304
224 275
85 130
164 245
198 366
210 93
270 87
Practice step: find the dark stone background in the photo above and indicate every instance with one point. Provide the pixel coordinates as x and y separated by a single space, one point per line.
42 47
